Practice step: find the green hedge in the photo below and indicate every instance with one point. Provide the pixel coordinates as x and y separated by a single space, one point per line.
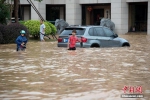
22 22
34 27
54 30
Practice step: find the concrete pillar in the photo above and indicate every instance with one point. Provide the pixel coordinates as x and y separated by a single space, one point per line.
148 20
34 15
42 9
26 13
119 15
124 17
73 12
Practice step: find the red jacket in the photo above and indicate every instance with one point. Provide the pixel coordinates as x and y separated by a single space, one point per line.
72 41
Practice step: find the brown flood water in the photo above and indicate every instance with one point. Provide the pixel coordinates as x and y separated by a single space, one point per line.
46 72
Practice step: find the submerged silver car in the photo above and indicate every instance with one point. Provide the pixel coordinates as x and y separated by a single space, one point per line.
92 36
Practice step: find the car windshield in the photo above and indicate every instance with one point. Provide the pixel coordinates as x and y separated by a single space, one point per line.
68 31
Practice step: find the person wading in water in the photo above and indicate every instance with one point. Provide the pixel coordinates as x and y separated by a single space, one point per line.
21 41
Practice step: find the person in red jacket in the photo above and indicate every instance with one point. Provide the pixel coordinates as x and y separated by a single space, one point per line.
72 41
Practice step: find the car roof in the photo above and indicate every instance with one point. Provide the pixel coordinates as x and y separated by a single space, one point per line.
83 26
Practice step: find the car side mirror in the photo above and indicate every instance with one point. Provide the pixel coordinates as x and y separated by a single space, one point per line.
115 35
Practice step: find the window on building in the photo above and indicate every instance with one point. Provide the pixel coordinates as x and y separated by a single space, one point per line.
54 12
24 13
138 16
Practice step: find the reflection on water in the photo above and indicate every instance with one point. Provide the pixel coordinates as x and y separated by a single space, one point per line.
46 72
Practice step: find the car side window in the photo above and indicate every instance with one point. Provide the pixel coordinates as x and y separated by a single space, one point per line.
99 31
91 32
95 33
108 32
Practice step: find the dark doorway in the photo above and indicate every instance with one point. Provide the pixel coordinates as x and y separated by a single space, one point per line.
93 13
83 15
54 12
138 13
97 15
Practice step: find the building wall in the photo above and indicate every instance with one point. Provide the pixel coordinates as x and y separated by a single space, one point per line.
119 15
94 1
73 12
148 26
119 11
39 5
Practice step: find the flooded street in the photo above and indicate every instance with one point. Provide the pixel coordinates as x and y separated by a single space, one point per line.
46 72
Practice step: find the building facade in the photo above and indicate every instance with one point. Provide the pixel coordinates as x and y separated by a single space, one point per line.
128 15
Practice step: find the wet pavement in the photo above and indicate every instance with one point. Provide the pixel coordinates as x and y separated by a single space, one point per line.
46 72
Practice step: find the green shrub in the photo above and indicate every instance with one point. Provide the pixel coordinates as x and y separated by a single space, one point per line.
34 27
12 31
52 27
22 22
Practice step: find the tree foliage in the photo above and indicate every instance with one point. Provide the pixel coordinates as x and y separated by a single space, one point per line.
4 13
2 1
5 10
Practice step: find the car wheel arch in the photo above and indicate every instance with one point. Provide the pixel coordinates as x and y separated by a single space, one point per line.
125 44
95 45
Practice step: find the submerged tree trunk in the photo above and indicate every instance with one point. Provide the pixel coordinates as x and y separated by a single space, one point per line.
11 6
16 10
11 10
